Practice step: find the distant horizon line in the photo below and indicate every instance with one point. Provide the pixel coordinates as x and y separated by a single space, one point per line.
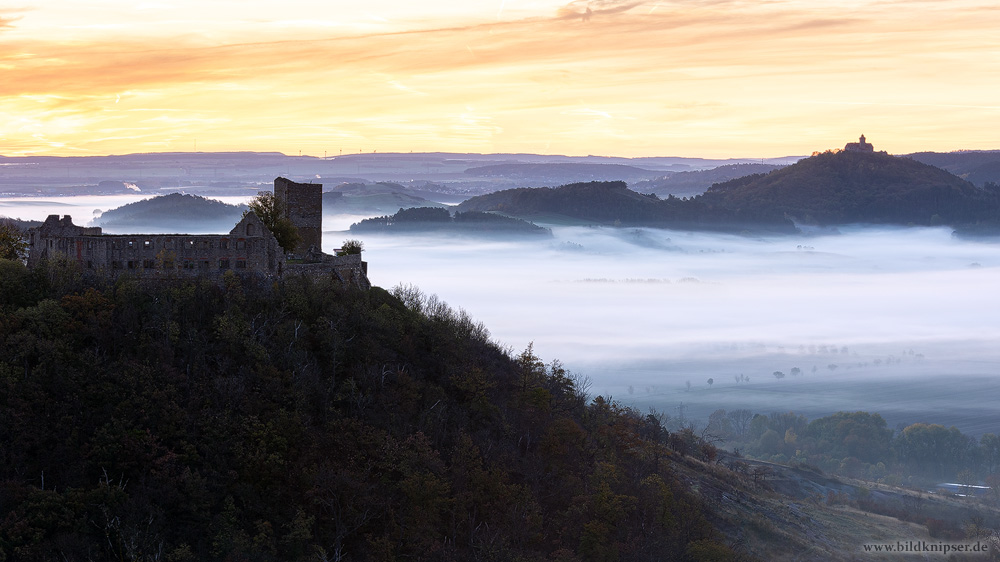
442 152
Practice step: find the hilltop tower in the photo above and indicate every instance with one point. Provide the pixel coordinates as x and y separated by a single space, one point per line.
303 203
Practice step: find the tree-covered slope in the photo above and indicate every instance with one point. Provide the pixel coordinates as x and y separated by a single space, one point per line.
683 184
361 198
829 188
602 201
977 166
300 420
614 203
853 187
176 212
433 219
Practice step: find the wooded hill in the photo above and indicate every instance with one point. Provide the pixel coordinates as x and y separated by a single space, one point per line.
363 198
613 203
826 189
856 187
176 212
430 219
302 420
684 184
979 167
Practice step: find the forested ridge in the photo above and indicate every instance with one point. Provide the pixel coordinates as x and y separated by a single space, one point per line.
301 420
613 203
433 219
858 187
826 189
169 211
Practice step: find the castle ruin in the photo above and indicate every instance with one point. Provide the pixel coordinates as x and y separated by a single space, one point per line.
248 248
303 205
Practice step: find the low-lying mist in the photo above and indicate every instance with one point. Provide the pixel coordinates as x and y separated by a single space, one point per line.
901 321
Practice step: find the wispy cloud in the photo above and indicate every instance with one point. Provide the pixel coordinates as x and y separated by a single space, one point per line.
694 76
9 16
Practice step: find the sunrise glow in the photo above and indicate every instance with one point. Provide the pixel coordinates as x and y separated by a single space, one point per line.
629 78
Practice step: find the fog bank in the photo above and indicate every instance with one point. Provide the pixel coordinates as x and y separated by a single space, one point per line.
901 321
644 311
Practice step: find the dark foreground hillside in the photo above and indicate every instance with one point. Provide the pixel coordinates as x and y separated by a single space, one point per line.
303 421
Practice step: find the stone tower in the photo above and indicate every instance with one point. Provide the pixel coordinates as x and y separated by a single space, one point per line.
303 203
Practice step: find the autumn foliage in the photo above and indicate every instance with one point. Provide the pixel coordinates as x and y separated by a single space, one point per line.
254 420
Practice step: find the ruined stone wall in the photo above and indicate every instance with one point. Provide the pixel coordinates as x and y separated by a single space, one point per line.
249 247
349 269
303 203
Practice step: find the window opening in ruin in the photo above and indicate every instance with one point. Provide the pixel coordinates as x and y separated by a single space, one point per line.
241 264
224 264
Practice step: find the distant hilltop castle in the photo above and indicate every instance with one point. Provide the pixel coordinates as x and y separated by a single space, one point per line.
860 146
248 248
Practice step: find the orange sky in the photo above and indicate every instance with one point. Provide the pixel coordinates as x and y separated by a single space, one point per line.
710 78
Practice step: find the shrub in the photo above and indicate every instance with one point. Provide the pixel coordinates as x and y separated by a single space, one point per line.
351 247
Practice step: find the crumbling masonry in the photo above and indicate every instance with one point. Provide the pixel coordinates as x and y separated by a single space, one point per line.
248 248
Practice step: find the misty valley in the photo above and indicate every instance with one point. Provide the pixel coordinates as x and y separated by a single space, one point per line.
891 320
894 320
841 371
546 281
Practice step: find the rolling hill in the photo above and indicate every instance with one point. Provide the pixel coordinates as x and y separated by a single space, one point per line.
826 189
367 198
305 420
683 184
173 213
976 166
433 219
853 187
561 173
612 203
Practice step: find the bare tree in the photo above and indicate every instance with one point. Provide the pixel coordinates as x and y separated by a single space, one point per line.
740 422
